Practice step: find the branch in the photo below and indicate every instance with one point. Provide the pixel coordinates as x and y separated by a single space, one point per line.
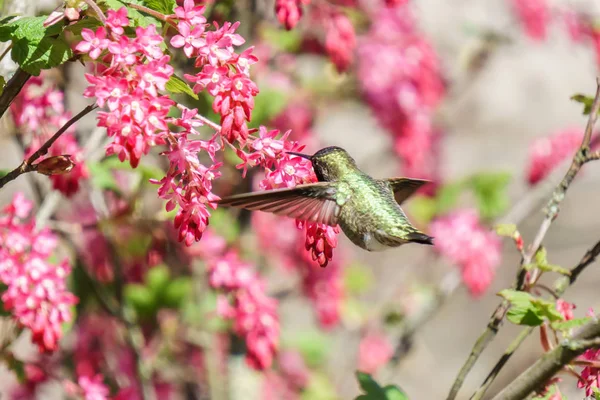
581 157
551 363
12 89
560 286
27 165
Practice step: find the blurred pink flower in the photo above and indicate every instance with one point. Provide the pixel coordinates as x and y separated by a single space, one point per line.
548 152
294 369
93 388
590 376
475 250
36 292
340 40
289 12
374 351
534 15
565 308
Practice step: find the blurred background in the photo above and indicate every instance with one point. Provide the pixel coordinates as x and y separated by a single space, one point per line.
474 95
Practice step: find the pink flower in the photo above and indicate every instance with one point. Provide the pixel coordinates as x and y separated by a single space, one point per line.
288 12
254 313
93 43
404 87
189 38
534 15
548 152
374 351
461 239
340 41
590 376
565 308
117 20
36 292
93 388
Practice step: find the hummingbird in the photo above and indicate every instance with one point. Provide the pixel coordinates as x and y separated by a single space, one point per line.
367 209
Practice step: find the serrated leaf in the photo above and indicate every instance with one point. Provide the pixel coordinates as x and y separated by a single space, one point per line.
507 230
36 47
162 6
86 23
585 100
528 310
571 324
177 85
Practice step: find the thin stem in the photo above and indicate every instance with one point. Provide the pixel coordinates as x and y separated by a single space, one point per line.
92 4
12 89
27 165
5 52
208 122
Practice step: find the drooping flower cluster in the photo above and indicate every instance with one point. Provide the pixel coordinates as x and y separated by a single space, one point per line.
289 12
324 287
534 15
403 87
38 113
565 309
475 250
254 314
374 351
546 153
36 293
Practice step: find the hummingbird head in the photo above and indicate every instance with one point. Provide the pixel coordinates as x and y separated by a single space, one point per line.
330 163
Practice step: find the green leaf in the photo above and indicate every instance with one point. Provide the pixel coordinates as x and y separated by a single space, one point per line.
369 385
157 279
571 324
177 85
141 299
136 18
507 230
2 84
86 23
541 262
448 196
585 100
267 105
36 47
162 6
541 256
102 177
287 41
177 291
528 310
490 192
225 225
393 392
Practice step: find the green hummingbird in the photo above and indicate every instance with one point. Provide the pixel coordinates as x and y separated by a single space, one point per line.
367 209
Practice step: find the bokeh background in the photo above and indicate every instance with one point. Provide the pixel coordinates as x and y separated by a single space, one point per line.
504 89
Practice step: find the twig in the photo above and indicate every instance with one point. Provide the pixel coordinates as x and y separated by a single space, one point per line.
560 286
551 363
12 89
27 165
581 157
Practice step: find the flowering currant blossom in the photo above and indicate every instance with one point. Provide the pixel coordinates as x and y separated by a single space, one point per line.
461 238
374 351
340 40
590 375
565 309
534 15
403 87
93 388
254 314
289 12
39 112
36 293
546 153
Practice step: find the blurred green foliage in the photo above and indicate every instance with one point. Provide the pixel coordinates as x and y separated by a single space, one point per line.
373 391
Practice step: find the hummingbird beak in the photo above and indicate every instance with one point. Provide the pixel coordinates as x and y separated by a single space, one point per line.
299 155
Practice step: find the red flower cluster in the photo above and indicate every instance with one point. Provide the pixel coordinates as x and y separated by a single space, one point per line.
403 87
547 153
460 237
590 376
36 291
253 312
39 112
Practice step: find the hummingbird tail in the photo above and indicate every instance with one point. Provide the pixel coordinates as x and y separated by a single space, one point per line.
418 237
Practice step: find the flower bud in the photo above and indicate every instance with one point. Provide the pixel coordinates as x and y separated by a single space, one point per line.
57 165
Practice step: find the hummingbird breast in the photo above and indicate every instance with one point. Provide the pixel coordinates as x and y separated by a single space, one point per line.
371 218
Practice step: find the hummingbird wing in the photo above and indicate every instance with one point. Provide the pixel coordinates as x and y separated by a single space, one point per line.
314 202
403 188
